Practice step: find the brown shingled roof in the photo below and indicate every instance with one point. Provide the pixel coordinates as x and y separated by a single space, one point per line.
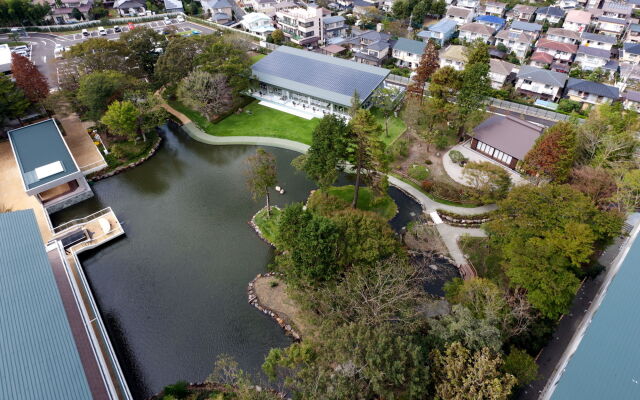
553 45
477 27
508 134
539 56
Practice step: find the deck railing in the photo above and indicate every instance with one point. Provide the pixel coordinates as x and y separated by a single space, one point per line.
78 221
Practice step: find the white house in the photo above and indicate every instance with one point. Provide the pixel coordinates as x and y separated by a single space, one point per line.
302 26
610 25
577 20
258 23
633 34
540 83
563 35
591 58
517 42
408 52
631 100
630 53
588 92
563 52
130 7
499 72
453 56
474 30
470 4
495 8
460 15
604 42
521 12
551 14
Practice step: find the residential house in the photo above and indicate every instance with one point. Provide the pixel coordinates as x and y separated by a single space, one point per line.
221 11
521 12
130 8
492 21
605 42
453 56
370 47
561 52
473 31
302 26
459 14
635 4
495 8
441 32
526 27
629 74
5 59
258 24
505 139
62 11
591 58
262 5
541 60
567 4
631 100
470 4
551 14
499 72
615 9
630 53
363 7
408 52
563 35
540 83
588 92
577 20
633 34
334 27
173 6
610 26
518 42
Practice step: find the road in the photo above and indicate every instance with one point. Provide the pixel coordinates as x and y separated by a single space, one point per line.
44 44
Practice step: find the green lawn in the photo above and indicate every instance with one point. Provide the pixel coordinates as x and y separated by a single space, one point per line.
256 57
396 127
268 225
384 206
255 120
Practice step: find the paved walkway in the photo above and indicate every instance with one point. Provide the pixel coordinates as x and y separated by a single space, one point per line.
84 151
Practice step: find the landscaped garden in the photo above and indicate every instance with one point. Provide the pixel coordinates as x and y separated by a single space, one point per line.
367 201
268 223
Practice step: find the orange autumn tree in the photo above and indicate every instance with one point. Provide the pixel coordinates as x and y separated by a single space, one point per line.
28 78
429 63
554 153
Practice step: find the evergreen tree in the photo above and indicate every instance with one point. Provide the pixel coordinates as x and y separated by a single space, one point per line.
429 63
366 150
328 147
13 103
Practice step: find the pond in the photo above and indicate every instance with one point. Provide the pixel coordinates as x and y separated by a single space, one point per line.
173 290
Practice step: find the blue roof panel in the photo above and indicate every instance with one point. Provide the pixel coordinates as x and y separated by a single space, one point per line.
38 354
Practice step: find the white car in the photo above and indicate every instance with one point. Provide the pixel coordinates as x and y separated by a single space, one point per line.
57 52
167 21
102 31
85 32
180 18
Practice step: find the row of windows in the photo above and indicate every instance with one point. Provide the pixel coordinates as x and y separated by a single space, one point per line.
495 153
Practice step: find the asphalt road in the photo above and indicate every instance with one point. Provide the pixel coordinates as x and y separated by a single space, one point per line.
44 44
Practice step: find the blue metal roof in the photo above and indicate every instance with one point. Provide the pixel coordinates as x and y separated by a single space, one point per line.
37 145
443 26
492 19
526 26
329 78
633 48
606 364
410 46
38 354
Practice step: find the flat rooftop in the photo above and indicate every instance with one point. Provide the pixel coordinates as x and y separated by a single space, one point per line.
606 364
38 354
41 153
328 78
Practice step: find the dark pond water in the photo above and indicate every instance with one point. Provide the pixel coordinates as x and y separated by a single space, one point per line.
173 290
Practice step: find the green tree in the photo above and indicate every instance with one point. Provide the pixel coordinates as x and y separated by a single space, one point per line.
76 14
13 103
145 46
460 374
522 366
462 326
178 59
477 53
98 89
225 56
277 36
208 93
445 83
473 93
439 8
327 151
365 149
261 175
554 153
22 12
100 54
628 194
122 118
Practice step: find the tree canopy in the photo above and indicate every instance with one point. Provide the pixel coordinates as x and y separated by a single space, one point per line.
29 78
554 153
327 151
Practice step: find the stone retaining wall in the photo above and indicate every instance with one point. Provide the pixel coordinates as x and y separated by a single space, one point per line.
253 224
254 301
123 168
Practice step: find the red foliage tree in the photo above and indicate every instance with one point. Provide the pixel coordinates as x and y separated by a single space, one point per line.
554 153
28 78
429 63
597 183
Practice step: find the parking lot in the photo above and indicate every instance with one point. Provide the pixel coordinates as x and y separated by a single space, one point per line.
158 26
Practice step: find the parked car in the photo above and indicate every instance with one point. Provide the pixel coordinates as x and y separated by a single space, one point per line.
57 52
180 18
130 25
117 29
102 31
85 32
167 21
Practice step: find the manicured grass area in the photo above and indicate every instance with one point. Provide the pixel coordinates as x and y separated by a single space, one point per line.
268 225
255 120
418 172
396 127
13 44
384 205
484 257
431 195
256 57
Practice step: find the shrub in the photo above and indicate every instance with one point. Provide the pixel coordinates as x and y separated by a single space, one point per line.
418 172
179 390
428 162
427 185
456 157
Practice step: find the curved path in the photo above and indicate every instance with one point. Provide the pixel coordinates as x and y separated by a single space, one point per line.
449 234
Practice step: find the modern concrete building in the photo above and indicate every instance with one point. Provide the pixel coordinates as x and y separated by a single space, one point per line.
311 84
301 25
48 170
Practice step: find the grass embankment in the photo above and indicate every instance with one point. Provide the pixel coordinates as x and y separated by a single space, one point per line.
268 224
256 57
431 195
382 205
254 120
273 294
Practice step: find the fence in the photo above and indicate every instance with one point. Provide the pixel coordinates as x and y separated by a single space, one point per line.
528 110
74 222
201 21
